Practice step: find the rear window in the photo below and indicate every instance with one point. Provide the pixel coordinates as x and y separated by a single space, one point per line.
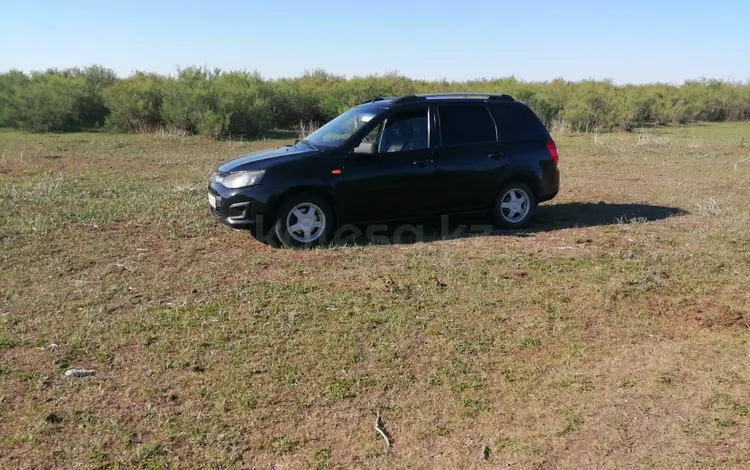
465 125
517 123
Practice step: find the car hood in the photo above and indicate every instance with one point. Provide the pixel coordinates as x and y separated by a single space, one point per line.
261 160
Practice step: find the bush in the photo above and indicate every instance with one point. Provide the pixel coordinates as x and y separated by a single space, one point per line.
13 85
232 104
292 104
187 100
47 102
90 108
218 104
135 103
591 107
242 105
54 100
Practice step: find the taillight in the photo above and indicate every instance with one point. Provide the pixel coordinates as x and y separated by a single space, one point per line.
553 151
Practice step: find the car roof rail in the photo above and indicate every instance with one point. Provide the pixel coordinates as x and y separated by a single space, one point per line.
435 96
486 96
406 99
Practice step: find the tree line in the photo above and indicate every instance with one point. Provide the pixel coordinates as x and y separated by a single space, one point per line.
223 104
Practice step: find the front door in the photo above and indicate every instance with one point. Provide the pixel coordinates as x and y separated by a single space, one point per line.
398 180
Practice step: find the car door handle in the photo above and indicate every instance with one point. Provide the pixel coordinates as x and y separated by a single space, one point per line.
424 162
496 155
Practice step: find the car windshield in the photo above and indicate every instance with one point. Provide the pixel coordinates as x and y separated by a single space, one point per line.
337 131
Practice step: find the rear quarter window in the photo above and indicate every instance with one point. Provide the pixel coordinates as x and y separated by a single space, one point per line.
517 123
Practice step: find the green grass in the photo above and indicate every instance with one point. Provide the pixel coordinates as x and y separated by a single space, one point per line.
614 333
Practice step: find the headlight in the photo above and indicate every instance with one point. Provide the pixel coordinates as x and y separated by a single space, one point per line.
242 179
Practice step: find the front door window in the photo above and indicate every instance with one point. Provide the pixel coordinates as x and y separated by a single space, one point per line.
405 131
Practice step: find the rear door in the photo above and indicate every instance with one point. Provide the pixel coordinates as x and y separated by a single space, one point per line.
399 180
524 139
469 157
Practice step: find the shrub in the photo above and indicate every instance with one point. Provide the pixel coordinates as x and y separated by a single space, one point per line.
291 104
47 103
12 87
189 100
54 100
231 104
90 108
135 103
242 105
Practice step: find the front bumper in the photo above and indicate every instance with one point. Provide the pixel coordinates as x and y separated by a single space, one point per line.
241 208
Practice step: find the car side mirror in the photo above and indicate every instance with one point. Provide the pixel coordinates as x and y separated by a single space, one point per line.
366 148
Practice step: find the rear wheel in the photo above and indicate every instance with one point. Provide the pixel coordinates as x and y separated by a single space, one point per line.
303 221
515 206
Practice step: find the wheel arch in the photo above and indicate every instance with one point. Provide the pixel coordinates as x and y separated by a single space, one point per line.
529 179
318 190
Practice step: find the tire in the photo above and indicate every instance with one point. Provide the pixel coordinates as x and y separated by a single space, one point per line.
312 216
515 206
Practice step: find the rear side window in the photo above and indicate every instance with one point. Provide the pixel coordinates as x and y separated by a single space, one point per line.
517 123
465 125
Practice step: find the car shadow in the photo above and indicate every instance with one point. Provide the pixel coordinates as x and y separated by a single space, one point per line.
594 214
548 218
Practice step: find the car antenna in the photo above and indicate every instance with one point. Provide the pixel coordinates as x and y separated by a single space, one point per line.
388 90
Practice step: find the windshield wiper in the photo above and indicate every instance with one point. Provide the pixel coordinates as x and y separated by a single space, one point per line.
308 143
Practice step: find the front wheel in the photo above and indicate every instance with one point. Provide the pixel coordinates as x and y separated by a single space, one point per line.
304 221
515 206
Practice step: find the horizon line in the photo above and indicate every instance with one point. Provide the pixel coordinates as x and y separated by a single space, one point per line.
387 74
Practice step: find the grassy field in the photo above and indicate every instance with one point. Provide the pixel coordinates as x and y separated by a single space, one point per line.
612 334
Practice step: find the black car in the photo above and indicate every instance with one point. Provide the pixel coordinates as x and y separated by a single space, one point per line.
391 159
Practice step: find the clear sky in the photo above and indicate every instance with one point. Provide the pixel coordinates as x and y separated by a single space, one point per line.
626 40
